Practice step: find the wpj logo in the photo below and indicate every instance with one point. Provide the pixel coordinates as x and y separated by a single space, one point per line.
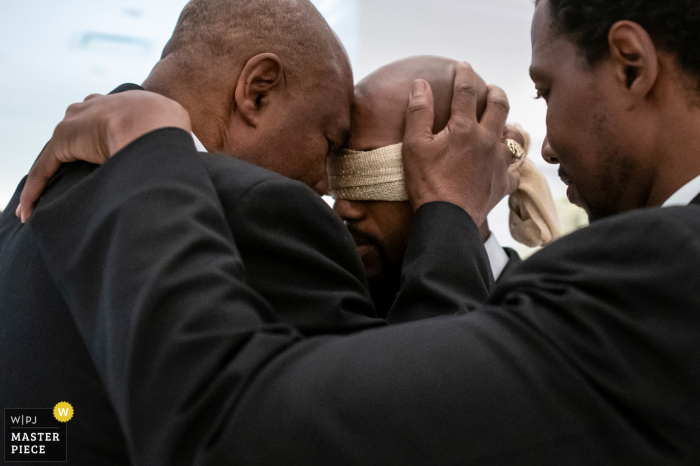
37 434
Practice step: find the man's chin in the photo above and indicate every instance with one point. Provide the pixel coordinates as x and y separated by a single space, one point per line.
595 210
575 198
370 259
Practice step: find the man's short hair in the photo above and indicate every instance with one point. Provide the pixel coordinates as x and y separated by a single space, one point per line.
674 26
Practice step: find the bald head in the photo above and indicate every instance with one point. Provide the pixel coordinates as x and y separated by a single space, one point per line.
379 112
219 34
380 228
266 81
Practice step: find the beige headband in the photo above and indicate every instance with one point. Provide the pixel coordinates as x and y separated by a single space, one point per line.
375 175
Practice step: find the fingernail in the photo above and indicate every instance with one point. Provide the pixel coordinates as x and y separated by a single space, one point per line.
419 87
23 218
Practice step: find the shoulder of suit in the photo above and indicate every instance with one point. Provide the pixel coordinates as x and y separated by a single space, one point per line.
235 178
681 220
641 232
232 167
644 250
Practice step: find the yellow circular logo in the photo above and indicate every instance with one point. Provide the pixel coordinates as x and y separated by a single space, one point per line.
63 412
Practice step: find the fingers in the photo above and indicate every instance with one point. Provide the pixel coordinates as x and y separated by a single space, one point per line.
420 113
465 97
497 108
43 169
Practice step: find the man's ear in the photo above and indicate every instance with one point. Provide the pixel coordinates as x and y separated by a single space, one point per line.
262 75
635 57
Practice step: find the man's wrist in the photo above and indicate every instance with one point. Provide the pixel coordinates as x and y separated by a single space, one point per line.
150 112
477 215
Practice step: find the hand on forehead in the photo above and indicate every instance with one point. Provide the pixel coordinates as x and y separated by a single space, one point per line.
381 98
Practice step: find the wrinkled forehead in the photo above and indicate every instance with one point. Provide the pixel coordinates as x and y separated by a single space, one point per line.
330 101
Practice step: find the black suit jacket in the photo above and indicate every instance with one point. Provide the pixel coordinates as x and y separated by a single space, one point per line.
43 359
297 260
586 353
513 260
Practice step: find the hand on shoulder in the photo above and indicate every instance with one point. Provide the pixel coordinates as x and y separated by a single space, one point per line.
96 129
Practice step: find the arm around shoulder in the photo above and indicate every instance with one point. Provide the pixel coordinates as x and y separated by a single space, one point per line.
153 279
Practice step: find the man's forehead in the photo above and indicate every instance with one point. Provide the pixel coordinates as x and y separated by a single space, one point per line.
336 101
541 26
543 39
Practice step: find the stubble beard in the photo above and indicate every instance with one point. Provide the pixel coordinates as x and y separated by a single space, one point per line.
613 171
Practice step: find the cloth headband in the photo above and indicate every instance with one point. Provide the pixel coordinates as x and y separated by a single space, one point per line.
375 175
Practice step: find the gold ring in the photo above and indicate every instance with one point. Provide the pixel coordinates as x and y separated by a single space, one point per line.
516 150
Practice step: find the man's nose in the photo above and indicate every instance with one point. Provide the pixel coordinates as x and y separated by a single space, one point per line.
349 210
547 153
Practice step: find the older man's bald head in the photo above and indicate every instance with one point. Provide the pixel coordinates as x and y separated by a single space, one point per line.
225 33
267 81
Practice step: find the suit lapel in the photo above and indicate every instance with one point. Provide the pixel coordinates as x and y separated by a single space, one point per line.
696 201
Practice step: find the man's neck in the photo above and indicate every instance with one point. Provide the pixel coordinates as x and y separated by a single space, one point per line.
677 155
205 110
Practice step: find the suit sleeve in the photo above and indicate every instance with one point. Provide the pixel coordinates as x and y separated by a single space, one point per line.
587 352
301 258
155 284
578 357
445 270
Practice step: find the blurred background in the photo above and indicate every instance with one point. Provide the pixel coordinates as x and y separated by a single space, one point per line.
56 53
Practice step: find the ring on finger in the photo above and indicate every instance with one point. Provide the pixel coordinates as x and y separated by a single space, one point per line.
516 150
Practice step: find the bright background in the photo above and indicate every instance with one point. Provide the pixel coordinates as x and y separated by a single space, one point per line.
55 53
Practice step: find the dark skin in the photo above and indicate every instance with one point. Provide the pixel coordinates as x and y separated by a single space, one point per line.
381 228
251 111
633 144
96 129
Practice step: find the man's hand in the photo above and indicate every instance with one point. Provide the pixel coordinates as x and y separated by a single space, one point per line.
96 129
465 164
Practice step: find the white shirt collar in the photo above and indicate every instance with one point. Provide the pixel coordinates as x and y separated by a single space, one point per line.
198 144
684 195
497 256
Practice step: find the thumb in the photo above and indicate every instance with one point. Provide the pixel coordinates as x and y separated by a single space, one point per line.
420 113
40 173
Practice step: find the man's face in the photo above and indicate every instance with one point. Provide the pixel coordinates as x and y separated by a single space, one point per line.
380 228
586 122
301 127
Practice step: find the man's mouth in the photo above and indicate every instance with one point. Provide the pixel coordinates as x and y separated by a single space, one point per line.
564 177
571 191
364 249
363 241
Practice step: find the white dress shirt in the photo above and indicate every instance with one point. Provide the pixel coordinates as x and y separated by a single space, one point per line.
497 256
198 144
684 195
